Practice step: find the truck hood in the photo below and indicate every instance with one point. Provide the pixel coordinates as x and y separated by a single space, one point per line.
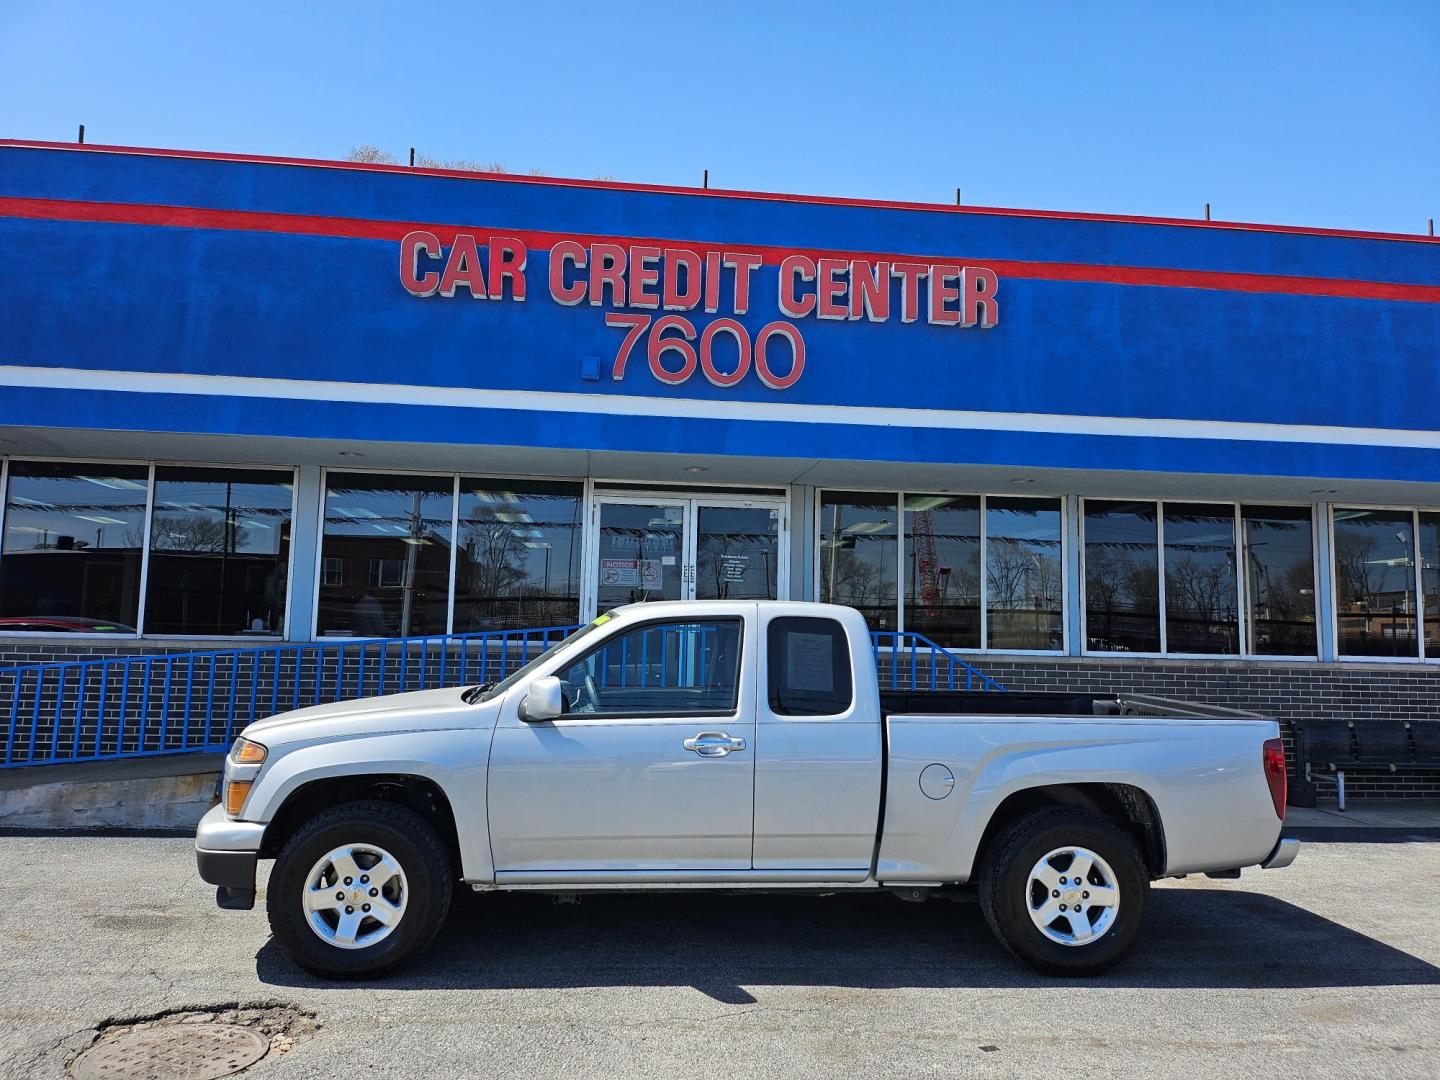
420 710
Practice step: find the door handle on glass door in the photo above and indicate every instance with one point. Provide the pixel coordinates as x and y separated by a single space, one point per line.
713 744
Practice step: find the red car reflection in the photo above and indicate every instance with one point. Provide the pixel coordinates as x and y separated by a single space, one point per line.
62 624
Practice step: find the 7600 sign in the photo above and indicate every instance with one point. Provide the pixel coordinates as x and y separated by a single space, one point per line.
676 334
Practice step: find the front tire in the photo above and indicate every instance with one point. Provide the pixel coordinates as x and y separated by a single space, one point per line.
1065 892
361 889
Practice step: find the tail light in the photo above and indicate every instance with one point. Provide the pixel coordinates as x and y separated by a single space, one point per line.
1274 758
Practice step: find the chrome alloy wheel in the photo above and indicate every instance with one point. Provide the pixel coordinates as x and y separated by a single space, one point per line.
355 896
1072 896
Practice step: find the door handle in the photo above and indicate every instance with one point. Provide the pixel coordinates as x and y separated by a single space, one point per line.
713 744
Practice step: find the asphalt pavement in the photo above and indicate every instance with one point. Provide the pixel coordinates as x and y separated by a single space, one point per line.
1326 968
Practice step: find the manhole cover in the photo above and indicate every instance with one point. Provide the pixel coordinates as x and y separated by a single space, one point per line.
174 1052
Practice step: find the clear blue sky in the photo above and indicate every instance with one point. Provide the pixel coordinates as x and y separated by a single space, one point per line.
1312 112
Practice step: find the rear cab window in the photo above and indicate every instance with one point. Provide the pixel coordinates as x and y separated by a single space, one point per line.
809 667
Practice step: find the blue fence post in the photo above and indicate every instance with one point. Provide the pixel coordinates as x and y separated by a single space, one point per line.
124 708
14 717
100 712
210 701
189 694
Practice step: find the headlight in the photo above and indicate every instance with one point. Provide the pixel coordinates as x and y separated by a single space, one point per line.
245 752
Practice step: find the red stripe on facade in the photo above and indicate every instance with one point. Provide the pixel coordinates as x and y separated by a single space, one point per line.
193 217
718 193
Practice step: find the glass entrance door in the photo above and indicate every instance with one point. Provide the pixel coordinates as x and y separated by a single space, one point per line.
641 552
737 551
686 548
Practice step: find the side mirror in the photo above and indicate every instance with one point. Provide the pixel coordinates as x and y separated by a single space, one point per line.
545 700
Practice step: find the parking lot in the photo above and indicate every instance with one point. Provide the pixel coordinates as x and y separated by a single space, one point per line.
1328 967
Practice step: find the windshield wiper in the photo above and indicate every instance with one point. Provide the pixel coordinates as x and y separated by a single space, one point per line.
473 694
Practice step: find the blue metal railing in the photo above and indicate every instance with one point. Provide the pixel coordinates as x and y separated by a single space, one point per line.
910 661
134 706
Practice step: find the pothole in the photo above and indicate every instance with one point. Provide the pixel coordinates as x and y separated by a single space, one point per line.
192 1044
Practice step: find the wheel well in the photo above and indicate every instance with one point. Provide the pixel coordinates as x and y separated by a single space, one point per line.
1125 805
418 793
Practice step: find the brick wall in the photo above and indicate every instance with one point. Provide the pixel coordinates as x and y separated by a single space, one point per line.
1285 691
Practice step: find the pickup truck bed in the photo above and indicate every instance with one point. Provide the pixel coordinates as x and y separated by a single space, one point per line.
1043 703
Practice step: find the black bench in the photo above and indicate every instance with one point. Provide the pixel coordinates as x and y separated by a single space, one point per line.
1341 746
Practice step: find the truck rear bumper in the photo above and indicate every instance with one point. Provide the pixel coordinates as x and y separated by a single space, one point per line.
1286 848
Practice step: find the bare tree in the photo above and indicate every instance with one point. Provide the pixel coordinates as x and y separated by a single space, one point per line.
371 155
494 559
1359 578
190 534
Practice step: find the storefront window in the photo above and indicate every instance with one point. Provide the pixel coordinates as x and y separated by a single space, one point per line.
942 569
1122 577
858 539
219 551
1024 574
1279 579
391 535
70 556
1201 611
1430 580
518 564
1375 582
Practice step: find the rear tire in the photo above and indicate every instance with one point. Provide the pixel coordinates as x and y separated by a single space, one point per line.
1060 857
387 884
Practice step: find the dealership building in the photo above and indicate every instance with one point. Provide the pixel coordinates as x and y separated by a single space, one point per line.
251 400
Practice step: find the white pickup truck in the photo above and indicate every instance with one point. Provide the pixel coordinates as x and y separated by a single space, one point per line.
740 746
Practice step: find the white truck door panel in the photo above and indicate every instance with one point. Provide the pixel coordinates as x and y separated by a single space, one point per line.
818 749
651 768
619 795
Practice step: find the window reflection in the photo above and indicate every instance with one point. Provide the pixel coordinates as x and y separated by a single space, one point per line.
858 537
737 552
1430 580
1122 577
219 551
1280 579
1024 575
71 550
1375 582
942 568
518 564
1201 611
391 535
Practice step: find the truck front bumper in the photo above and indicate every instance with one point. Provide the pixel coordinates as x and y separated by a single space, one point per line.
1286 848
226 853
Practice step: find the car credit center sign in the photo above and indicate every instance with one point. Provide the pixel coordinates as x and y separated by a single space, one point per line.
680 279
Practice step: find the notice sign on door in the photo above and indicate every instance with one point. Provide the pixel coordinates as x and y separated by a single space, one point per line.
650 573
733 567
620 572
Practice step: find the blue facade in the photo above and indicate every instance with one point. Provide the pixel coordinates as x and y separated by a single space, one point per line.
328 310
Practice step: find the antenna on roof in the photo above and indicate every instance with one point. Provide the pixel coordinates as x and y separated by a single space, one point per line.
705 181
81 139
1431 226
412 157
1207 211
957 196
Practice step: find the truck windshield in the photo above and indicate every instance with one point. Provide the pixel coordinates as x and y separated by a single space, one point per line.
486 691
